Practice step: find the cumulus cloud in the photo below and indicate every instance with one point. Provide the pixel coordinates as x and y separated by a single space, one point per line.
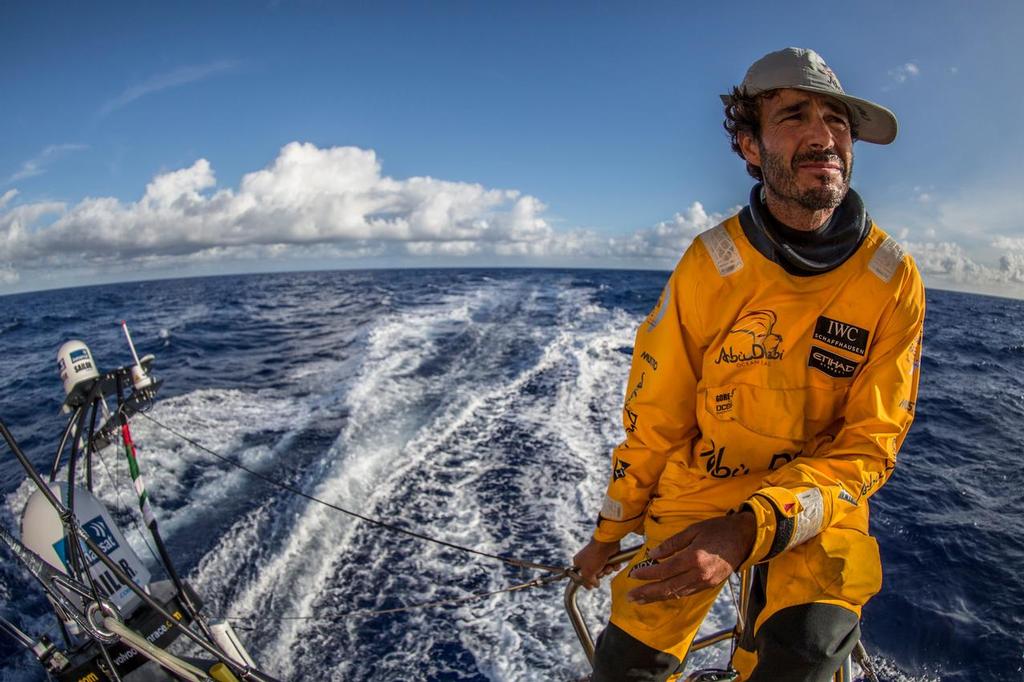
669 238
163 81
1008 243
949 262
308 195
331 206
904 72
38 163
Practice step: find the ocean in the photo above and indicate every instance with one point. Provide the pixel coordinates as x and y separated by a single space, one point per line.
478 406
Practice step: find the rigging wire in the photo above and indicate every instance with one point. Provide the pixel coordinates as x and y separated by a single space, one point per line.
559 571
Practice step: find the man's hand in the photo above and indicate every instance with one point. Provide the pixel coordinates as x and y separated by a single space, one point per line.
592 560
698 558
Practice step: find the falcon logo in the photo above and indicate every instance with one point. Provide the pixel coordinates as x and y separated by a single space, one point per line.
752 338
620 469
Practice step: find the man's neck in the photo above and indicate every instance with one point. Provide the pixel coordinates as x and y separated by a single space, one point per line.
791 214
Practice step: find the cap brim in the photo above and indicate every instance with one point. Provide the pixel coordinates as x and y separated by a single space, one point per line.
874 123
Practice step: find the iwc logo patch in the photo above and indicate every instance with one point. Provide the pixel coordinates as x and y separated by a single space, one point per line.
841 335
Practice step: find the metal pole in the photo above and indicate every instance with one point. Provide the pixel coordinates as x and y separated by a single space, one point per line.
150 518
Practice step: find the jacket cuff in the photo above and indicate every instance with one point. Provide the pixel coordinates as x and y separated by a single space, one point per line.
613 531
784 519
613 523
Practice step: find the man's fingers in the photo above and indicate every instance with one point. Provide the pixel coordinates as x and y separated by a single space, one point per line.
676 543
674 565
608 569
676 587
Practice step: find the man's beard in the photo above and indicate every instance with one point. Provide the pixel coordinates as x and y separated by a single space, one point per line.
782 180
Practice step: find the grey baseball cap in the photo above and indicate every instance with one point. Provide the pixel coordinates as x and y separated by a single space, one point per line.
802 69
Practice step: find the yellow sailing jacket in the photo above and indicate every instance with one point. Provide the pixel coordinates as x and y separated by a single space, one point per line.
793 392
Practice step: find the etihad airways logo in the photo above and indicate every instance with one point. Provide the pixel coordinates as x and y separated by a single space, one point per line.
752 338
831 364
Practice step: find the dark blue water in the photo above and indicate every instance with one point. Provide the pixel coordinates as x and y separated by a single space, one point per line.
479 406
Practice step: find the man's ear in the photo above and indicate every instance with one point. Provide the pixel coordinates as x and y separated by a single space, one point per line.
749 147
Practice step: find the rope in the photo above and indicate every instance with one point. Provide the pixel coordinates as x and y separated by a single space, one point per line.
512 561
476 596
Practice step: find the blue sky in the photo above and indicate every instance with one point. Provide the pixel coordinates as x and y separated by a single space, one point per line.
151 140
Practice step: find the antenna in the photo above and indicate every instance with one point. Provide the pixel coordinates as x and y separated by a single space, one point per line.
139 377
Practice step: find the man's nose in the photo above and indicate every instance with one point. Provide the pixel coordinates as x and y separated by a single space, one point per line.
819 135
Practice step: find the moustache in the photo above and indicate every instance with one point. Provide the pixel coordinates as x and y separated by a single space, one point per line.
819 156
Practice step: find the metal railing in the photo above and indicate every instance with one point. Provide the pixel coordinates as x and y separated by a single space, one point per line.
844 674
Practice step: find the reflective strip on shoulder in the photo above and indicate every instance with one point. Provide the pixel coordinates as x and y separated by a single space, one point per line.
810 517
722 249
887 259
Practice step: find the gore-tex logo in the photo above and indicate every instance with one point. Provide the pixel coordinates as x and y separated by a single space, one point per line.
841 335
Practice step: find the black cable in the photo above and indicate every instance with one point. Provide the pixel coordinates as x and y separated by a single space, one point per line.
519 563
88 444
76 560
55 468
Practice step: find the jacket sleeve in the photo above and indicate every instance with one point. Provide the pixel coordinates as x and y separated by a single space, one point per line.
819 488
659 414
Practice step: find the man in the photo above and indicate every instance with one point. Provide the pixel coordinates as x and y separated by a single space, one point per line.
770 390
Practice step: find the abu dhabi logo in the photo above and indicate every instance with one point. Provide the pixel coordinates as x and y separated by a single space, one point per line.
752 338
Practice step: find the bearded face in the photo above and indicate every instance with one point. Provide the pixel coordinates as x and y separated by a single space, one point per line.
804 149
825 190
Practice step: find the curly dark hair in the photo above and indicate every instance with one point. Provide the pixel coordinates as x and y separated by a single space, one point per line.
743 115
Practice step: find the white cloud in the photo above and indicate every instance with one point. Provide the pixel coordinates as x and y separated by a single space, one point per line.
37 164
669 238
307 195
331 206
904 72
947 261
164 81
1008 243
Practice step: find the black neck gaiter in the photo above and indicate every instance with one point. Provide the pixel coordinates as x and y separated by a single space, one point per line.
802 252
